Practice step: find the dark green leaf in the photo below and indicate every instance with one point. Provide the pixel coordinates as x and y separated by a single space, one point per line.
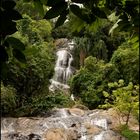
19 55
124 25
44 1
79 1
15 43
54 2
39 7
76 10
3 70
61 19
131 4
3 54
56 10
79 12
8 4
11 15
7 27
15 15
98 12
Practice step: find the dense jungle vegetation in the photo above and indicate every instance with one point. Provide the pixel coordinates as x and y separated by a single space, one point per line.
106 55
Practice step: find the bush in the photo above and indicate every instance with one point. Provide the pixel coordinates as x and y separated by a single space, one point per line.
40 104
90 81
8 100
126 61
124 99
127 133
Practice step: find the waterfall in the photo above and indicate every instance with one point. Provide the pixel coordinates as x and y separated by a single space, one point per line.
100 122
63 69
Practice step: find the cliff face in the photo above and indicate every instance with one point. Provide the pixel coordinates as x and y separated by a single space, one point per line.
63 124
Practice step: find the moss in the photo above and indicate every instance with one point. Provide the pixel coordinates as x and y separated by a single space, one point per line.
129 134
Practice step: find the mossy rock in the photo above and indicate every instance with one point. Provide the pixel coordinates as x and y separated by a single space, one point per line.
80 106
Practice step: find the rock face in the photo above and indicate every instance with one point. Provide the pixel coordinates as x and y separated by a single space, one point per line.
61 124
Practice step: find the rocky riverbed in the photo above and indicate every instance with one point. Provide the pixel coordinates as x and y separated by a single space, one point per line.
63 124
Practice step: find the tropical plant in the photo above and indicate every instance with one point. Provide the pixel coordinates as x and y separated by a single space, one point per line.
8 100
126 60
90 81
124 99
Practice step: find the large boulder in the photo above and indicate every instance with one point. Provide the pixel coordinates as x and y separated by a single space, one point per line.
76 111
61 134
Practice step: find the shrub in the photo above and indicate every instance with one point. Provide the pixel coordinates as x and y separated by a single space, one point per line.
127 133
8 99
90 81
124 99
40 104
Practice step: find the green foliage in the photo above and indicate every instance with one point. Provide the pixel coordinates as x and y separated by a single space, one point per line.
32 77
40 104
127 133
126 60
8 99
125 99
90 81
61 31
9 17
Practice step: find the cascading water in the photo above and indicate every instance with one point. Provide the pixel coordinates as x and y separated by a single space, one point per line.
62 121
63 68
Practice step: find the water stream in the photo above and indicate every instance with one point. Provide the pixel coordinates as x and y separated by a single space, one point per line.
63 69
23 128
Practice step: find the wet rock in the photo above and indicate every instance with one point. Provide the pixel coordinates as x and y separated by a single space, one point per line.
33 136
92 129
80 107
17 136
55 134
64 124
110 135
76 111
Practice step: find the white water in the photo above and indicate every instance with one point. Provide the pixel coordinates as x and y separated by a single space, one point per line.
63 69
64 113
62 118
99 136
100 122
83 132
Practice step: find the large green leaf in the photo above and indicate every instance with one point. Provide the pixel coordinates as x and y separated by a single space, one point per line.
3 54
3 70
19 55
54 2
56 10
44 1
76 10
7 27
98 12
79 1
8 4
15 43
62 18
79 12
11 14
39 6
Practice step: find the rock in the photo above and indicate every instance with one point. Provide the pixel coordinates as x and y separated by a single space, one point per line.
17 136
61 42
80 107
65 124
92 129
72 134
33 136
55 134
110 135
76 111
61 134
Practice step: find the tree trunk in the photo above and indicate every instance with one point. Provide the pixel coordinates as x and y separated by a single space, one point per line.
82 57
